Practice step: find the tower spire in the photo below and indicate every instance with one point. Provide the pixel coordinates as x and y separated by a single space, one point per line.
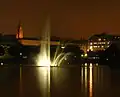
19 31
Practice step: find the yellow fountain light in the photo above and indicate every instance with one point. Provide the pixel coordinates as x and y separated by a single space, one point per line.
43 61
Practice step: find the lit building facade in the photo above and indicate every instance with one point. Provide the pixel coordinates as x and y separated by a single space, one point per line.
19 34
101 41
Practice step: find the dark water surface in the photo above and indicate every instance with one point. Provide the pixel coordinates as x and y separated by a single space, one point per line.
91 81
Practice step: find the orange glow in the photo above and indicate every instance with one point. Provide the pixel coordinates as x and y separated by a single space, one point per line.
19 33
36 42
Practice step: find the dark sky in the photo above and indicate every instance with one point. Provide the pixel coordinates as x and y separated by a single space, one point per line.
69 18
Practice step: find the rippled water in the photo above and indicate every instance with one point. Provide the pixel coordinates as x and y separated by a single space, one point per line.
75 81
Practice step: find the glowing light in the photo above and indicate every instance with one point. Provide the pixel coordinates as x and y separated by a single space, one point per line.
82 55
43 75
91 48
95 42
90 83
95 46
43 58
82 78
43 62
96 64
20 32
85 55
103 42
86 79
59 59
62 47
1 63
102 46
85 64
104 39
91 43
90 64
99 39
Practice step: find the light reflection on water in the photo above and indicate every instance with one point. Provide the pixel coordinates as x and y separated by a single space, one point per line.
43 74
65 82
90 82
20 85
85 81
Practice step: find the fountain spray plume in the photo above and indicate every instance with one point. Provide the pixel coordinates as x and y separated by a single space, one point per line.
59 56
43 58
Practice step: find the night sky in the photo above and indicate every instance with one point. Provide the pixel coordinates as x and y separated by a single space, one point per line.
69 18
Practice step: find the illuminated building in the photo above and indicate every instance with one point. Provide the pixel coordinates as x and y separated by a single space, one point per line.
19 32
30 41
101 41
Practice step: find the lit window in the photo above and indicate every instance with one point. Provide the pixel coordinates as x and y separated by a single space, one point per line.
103 43
62 47
102 46
95 42
91 48
95 46
90 43
99 39
104 39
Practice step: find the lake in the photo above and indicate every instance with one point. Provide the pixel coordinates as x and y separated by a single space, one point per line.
69 81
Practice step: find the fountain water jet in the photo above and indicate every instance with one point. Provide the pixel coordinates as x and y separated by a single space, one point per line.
57 61
43 58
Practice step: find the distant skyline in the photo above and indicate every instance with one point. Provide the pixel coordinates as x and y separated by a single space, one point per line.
69 18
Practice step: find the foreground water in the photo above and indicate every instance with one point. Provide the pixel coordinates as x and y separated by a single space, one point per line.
93 81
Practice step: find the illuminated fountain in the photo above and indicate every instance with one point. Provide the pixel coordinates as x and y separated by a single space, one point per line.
59 57
43 58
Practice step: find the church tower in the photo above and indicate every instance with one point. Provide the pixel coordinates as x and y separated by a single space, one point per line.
19 33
